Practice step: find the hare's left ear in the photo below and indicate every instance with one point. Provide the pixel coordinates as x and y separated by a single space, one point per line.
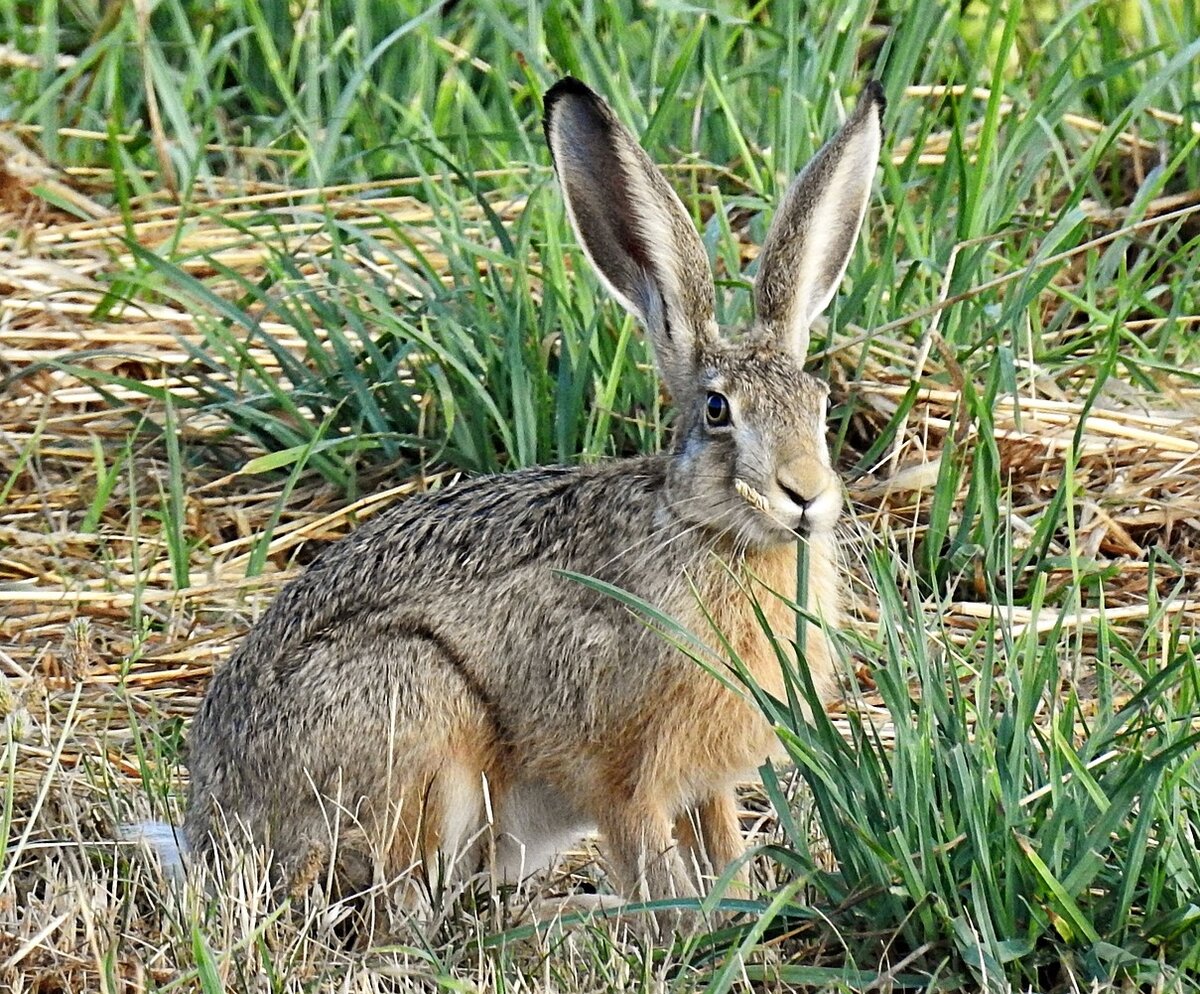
814 230
634 229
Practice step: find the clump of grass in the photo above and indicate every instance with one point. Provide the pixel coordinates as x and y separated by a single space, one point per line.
445 325
1005 827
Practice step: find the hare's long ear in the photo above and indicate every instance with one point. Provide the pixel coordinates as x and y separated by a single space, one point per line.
815 228
632 226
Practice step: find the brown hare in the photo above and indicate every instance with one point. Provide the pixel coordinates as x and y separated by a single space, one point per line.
433 683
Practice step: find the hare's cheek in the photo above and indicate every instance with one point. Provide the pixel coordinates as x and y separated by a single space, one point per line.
822 449
691 453
705 451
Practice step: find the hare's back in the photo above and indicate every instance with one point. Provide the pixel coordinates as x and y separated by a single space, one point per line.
452 597
428 553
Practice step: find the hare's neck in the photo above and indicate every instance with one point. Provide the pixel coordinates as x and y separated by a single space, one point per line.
775 569
769 576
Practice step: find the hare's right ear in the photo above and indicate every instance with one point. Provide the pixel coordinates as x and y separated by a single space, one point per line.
633 227
815 228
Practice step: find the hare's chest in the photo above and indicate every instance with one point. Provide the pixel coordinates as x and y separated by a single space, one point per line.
754 614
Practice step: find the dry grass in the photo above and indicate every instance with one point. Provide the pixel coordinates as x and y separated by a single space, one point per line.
98 645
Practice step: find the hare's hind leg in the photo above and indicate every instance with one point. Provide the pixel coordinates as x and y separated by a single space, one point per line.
436 745
432 835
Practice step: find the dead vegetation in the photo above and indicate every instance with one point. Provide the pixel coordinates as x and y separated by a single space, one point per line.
98 640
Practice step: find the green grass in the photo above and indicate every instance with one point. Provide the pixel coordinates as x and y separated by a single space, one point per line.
1015 830
1024 813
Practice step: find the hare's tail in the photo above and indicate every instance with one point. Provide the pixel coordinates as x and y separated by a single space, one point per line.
165 840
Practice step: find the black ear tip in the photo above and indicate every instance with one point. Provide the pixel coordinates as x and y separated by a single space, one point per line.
568 86
873 94
584 105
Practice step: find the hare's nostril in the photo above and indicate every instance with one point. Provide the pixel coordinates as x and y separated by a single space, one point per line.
794 496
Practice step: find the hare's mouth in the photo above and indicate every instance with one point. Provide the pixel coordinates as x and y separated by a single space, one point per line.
762 504
800 524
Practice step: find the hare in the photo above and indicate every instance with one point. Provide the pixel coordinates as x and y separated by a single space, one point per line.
433 686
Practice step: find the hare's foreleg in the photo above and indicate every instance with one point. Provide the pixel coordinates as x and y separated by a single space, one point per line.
642 853
710 838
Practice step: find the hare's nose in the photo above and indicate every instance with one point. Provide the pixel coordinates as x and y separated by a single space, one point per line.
802 481
802 494
794 495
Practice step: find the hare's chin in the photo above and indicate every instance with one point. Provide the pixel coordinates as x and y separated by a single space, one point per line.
804 527
771 529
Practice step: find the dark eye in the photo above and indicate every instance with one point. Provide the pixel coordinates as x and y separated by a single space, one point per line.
716 410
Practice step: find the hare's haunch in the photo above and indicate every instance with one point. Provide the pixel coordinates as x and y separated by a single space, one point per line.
434 684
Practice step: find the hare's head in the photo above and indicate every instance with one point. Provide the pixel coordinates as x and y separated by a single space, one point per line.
750 455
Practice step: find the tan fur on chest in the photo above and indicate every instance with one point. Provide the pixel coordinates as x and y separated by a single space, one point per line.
729 735
768 578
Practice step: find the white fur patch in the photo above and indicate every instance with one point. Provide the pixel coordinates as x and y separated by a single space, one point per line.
841 206
538 824
164 840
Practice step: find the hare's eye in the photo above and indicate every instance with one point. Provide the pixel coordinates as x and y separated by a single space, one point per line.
716 410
